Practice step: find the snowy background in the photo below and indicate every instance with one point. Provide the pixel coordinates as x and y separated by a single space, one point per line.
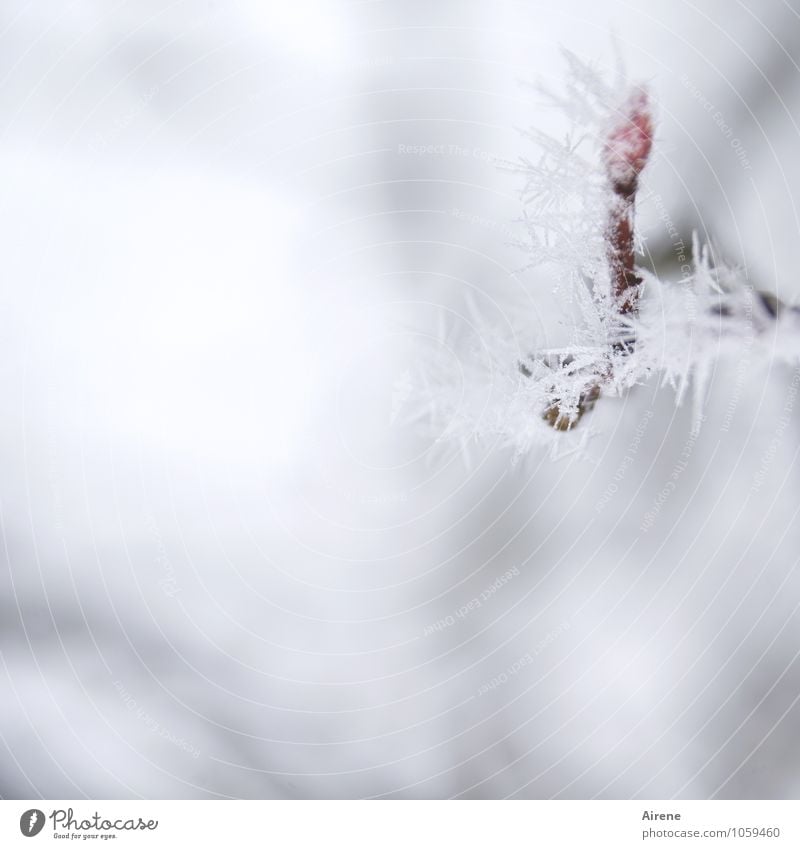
231 565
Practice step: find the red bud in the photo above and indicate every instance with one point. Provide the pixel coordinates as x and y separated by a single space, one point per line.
629 143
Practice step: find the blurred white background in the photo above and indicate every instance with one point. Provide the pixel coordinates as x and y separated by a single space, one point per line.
225 551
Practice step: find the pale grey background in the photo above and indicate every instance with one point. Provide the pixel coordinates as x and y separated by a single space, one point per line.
222 545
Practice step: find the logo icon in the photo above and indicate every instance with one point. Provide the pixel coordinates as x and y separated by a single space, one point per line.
31 822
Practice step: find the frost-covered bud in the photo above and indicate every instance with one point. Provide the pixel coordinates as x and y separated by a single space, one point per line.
629 143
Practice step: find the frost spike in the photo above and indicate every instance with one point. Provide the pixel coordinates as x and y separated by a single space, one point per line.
625 153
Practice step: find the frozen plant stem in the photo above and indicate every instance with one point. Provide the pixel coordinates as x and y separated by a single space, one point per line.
580 194
625 153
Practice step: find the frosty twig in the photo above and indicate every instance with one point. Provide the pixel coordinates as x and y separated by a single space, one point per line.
625 153
579 194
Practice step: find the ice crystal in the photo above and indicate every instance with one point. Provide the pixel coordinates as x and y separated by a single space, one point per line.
578 194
